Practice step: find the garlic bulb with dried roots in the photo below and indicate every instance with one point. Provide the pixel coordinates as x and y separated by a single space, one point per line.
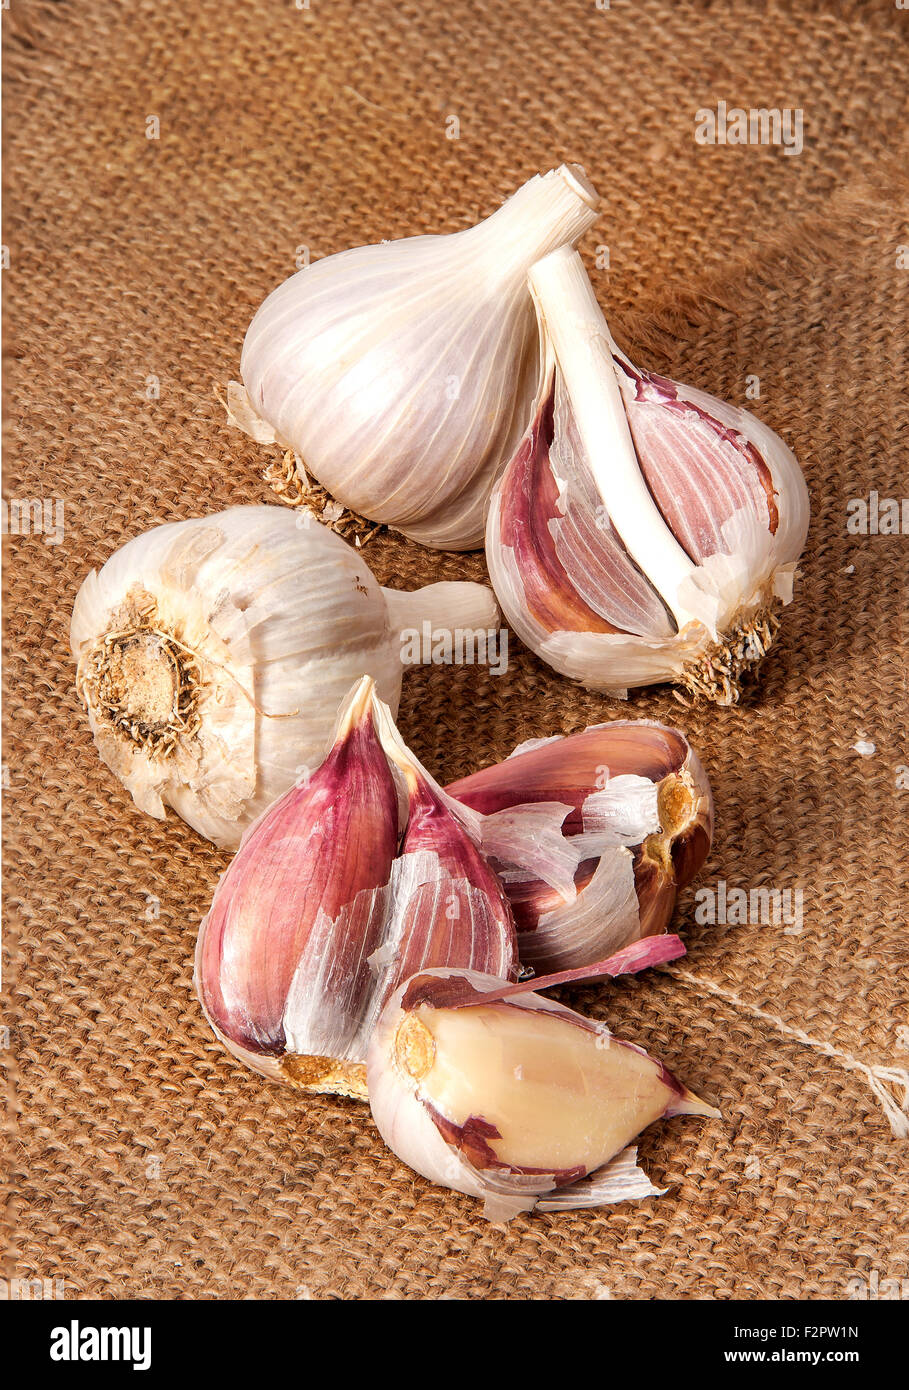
402 374
644 531
213 655
507 1096
639 815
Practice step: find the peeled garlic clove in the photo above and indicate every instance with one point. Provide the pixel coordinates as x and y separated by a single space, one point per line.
513 1099
318 916
639 817
403 374
213 655
644 530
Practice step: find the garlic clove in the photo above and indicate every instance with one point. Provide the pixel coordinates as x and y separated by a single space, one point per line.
513 1098
212 656
321 912
644 531
573 767
442 878
403 373
639 817
461 893
707 462
282 966
604 915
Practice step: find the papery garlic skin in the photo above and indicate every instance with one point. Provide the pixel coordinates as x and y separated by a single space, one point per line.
322 912
213 655
640 817
644 531
402 374
520 1101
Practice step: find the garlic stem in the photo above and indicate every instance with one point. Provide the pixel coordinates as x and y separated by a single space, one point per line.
447 606
580 338
549 210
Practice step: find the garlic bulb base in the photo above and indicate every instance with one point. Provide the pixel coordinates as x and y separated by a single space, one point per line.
320 1076
323 1076
681 814
717 674
141 681
414 1047
292 485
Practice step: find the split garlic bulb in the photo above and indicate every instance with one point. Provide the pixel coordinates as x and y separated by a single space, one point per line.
402 374
644 531
639 816
510 1097
213 654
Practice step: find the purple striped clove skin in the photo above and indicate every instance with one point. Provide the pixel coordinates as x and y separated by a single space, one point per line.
695 500
679 444
446 881
529 503
321 913
298 868
572 769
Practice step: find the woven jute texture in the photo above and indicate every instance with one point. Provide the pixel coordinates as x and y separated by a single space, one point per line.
148 1163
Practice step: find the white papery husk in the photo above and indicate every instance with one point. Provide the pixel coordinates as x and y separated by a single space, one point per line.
271 617
402 374
605 914
723 606
528 836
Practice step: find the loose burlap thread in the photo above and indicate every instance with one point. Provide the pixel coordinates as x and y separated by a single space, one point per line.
147 1163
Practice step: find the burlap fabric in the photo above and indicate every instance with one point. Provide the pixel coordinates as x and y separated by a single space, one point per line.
148 1163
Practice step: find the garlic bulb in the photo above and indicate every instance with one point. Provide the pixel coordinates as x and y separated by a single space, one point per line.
320 913
513 1098
403 374
213 655
644 531
639 816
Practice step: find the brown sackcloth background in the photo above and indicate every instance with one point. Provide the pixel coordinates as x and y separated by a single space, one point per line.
148 1163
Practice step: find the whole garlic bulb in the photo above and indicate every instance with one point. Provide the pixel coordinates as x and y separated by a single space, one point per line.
644 531
402 374
213 655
